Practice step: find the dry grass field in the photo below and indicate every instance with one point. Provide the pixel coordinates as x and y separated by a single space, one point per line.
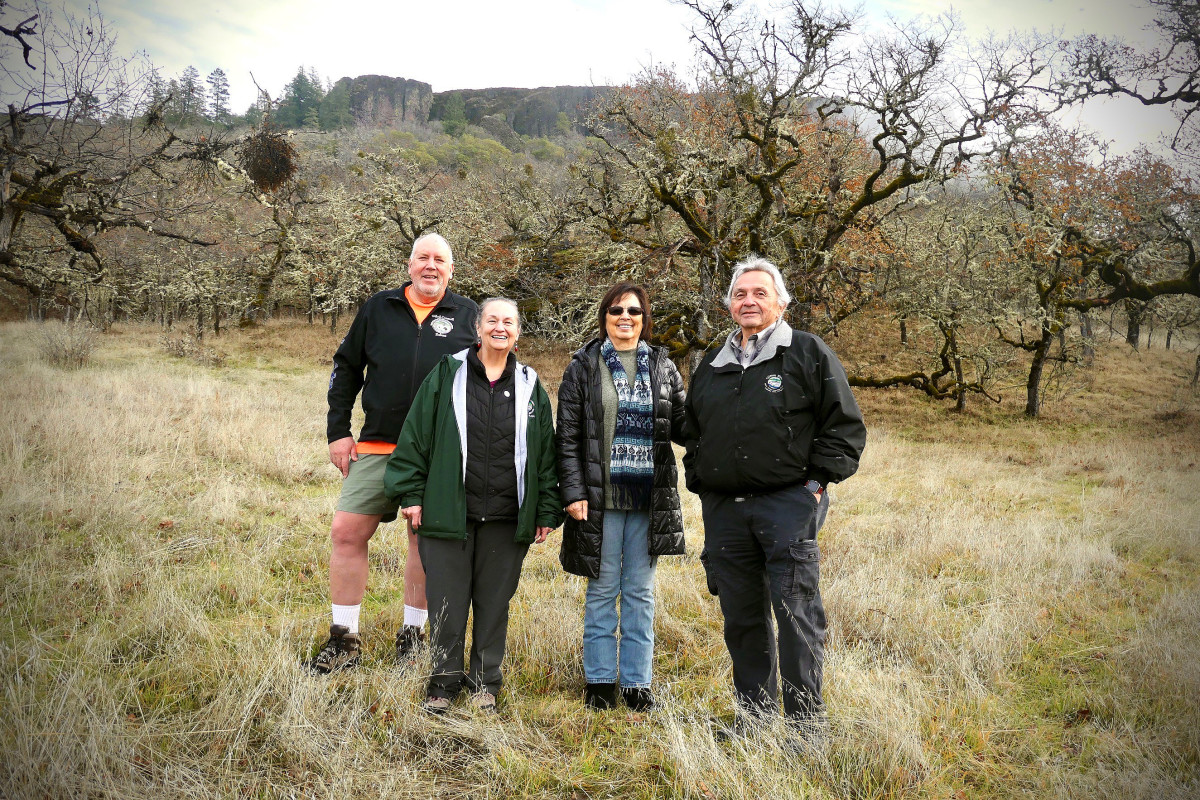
1014 605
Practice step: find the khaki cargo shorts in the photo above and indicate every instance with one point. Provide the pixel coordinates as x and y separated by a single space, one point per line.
362 490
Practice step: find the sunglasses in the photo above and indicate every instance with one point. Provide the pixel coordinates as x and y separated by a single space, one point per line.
616 311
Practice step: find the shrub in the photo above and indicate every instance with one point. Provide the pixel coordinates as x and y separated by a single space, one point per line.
191 348
68 344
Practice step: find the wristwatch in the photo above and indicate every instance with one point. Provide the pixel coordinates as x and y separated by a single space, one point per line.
814 487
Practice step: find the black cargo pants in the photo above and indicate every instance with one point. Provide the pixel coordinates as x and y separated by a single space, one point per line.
762 556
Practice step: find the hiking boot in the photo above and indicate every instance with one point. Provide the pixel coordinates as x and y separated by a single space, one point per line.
484 701
600 696
743 725
340 651
638 698
809 733
436 705
408 643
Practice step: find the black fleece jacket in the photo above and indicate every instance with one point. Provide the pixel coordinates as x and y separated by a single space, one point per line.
385 341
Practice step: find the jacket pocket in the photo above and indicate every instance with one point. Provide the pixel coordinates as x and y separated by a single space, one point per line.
796 398
805 570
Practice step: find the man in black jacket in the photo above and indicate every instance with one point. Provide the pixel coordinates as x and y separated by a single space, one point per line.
398 336
771 421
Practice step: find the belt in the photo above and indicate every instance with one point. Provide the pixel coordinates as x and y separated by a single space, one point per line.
742 497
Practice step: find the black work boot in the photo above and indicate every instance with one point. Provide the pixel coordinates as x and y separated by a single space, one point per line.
638 699
340 651
600 696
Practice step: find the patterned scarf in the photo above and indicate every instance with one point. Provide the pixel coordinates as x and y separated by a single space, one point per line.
631 468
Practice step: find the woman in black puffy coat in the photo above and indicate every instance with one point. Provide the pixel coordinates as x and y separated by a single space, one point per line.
620 406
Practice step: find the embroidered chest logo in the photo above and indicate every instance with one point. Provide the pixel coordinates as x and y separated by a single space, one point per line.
774 383
531 409
441 325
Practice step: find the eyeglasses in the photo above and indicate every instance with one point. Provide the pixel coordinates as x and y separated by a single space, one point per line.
616 311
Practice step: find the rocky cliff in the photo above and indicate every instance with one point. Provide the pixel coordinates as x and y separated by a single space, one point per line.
384 101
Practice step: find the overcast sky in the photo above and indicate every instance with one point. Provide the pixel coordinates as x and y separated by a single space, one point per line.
461 44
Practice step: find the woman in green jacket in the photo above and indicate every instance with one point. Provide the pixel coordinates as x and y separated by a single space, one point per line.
474 469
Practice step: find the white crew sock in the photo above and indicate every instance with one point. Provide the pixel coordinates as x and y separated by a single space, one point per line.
347 615
415 617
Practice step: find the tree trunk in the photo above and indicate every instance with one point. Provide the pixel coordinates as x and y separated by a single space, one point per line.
1089 338
950 331
259 303
9 214
1033 387
1168 341
216 315
961 402
904 330
700 322
1134 309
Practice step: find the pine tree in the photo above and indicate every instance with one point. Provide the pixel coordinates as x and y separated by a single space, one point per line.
174 99
302 95
335 108
156 88
218 96
191 92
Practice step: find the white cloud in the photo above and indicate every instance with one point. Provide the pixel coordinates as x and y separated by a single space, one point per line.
1072 17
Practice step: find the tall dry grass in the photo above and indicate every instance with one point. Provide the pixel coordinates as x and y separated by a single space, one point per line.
1012 605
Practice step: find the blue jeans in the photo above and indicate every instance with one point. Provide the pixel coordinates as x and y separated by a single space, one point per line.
626 570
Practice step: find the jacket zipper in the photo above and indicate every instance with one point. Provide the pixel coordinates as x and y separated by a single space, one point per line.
737 415
412 388
487 450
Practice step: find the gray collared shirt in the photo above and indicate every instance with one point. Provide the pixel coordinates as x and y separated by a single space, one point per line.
745 356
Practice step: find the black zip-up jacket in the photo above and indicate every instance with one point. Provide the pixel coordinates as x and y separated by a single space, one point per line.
491 468
580 469
396 354
788 418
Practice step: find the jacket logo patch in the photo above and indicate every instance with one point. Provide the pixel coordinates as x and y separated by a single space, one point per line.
774 383
441 325
531 409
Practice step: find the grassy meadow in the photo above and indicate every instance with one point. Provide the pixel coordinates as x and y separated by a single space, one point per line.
1013 605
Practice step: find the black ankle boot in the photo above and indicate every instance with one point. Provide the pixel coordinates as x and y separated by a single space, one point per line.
599 696
638 699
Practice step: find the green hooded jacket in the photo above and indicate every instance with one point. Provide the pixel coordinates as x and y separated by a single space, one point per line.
426 469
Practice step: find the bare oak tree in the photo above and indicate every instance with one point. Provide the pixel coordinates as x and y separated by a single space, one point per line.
83 153
795 141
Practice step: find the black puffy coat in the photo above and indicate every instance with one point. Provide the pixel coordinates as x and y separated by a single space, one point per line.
580 468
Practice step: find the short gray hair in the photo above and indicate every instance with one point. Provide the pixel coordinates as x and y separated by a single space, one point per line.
491 300
437 237
759 264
